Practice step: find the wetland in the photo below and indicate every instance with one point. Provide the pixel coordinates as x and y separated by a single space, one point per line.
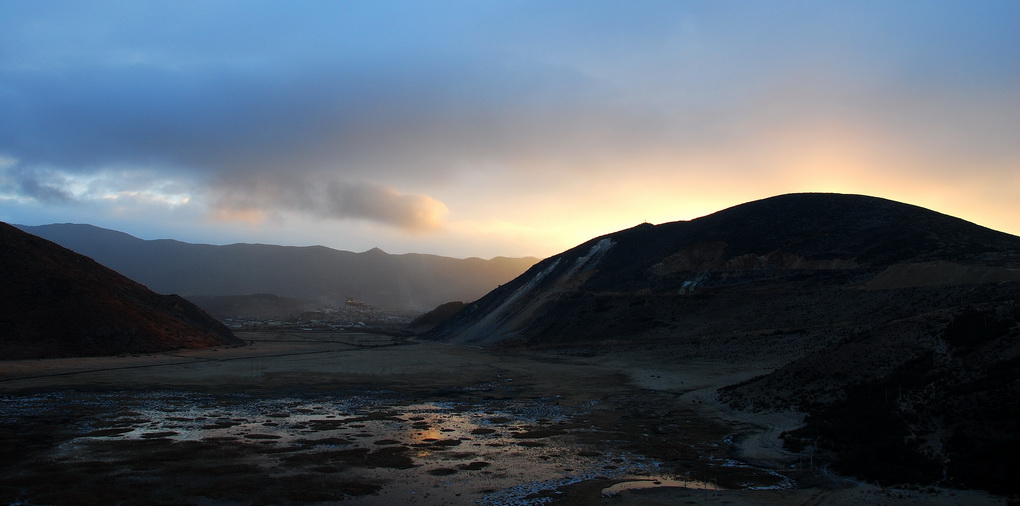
317 417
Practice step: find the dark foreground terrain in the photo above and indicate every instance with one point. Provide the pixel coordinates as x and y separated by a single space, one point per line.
364 419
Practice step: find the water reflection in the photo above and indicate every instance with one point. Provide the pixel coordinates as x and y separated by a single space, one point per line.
495 452
644 482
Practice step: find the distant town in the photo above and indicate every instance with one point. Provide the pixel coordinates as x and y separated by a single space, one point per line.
352 316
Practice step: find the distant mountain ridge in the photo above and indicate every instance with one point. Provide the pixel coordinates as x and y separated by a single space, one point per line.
57 303
409 281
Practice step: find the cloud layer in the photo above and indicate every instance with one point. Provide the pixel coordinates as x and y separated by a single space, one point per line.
253 200
561 120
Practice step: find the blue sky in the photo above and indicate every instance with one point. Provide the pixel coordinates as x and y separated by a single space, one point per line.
496 128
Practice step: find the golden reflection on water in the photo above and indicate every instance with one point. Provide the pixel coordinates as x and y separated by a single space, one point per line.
428 428
425 435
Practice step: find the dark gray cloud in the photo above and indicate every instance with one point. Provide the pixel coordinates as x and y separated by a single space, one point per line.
36 185
399 89
253 199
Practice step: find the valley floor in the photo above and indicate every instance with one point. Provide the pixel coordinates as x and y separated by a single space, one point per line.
305 417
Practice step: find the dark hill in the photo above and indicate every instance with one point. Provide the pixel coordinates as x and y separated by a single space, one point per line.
392 282
894 328
57 303
658 277
436 317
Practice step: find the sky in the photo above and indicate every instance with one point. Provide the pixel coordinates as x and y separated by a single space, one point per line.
496 128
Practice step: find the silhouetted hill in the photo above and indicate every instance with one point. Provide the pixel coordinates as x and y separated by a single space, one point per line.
779 244
895 328
409 281
436 317
57 303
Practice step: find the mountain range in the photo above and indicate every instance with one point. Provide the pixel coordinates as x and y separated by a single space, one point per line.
57 303
317 273
894 329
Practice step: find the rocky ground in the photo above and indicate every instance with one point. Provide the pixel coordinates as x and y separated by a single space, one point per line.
365 419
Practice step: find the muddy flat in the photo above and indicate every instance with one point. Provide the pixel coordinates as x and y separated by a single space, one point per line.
306 417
